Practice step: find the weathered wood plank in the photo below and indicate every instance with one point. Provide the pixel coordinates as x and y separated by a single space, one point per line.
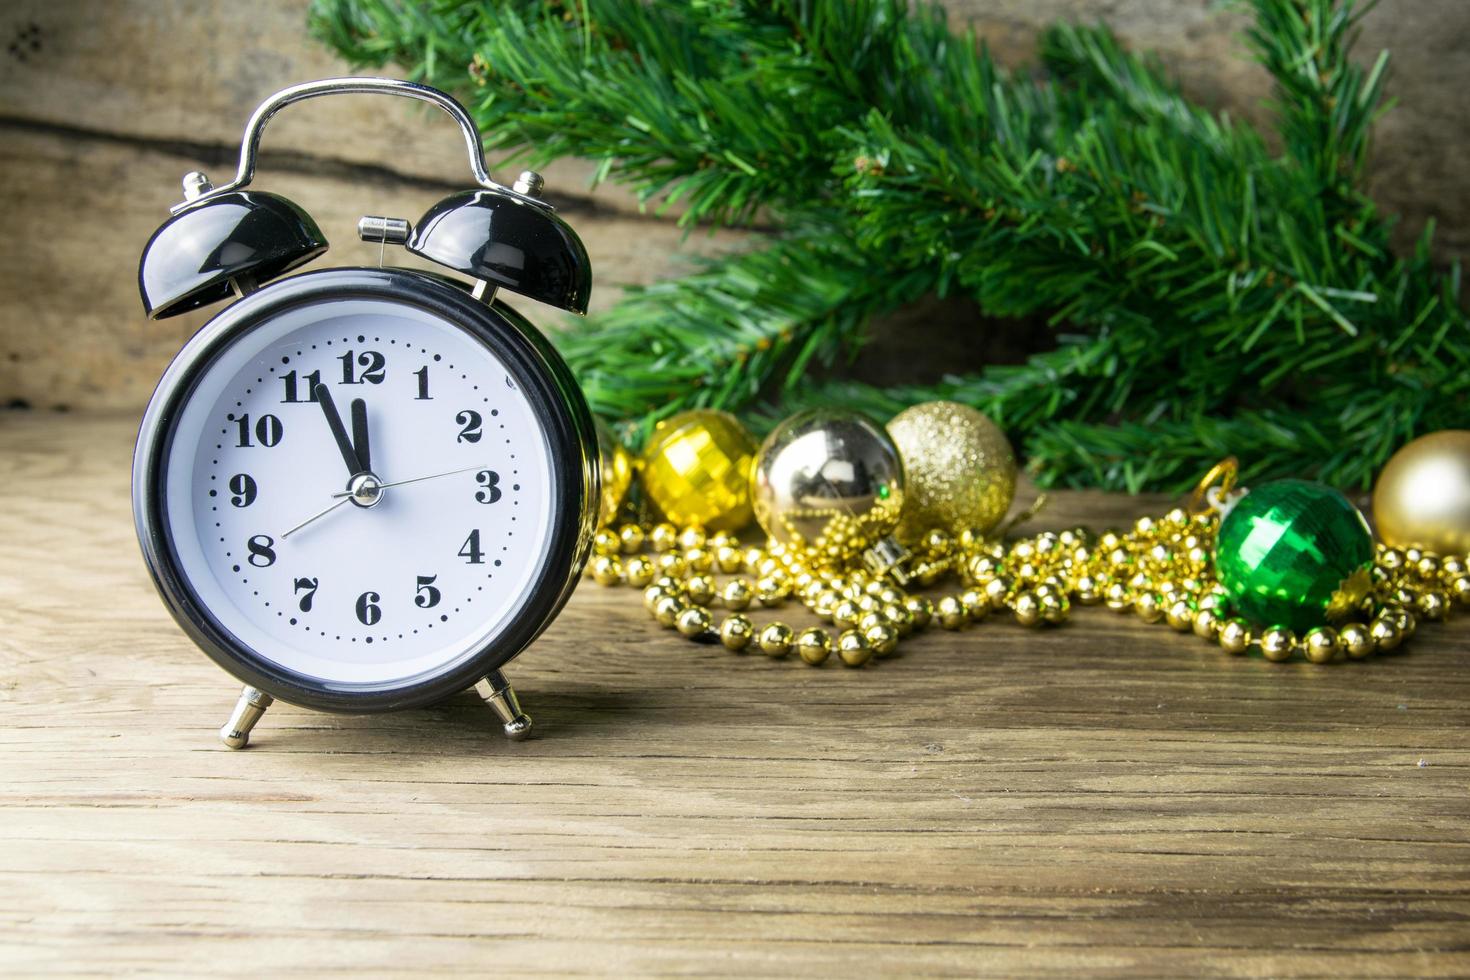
118 100
1106 798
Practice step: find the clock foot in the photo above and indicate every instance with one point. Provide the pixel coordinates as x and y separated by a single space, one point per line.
248 710
496 691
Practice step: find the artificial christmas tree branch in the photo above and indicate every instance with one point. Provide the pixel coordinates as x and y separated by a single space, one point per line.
1209 295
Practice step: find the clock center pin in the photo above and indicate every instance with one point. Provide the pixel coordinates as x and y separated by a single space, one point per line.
366 490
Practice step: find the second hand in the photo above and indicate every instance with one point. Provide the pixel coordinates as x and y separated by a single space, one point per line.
417 479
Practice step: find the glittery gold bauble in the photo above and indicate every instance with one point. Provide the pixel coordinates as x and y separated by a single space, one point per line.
827 480
696 470
959 470
1422 499
615 464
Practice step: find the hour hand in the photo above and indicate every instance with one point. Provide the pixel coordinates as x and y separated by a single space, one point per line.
360 435
339 432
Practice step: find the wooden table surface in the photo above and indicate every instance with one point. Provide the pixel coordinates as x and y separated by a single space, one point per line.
1103 798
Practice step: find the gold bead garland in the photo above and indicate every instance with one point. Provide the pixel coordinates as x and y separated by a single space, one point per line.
1161 571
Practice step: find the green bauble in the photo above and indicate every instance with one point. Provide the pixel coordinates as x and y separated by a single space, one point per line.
1294 554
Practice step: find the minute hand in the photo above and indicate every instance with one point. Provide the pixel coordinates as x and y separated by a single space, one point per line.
417 479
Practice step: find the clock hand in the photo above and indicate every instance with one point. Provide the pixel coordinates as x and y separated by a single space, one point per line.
360 435
318 514
417 479
339 432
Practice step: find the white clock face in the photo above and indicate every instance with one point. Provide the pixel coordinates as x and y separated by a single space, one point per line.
425 575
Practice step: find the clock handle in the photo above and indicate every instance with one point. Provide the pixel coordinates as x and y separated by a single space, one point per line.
250 145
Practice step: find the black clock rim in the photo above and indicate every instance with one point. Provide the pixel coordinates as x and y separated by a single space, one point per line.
545 381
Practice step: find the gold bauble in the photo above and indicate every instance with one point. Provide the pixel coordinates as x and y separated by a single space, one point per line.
615 465
959 470
1422 499
696 470
827 480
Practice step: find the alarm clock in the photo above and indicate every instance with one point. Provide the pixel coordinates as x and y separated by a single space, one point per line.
364 489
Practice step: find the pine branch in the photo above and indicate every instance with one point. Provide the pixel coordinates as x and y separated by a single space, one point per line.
1210 295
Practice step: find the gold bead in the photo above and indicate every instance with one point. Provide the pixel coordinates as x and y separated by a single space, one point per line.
728 559
1180 615
751 560
996 591
693 620
652 594
1118 598
853 649
669 584
825 602
1432 605
630 537
983 567
937 542
1149 606
1206 624
920 609
814 645
1385 634
607 570
845 614
737 594
692 537
1277 643
1027 608
1143 525
1401 618
899 617
667 610
868 603
1427 567
976 603
639 571
663 537
1453 566
736 632
1212 600
882 638
605 542
1087 591
775 640
1357 641
1054 608
701 589
1320 644
1177 517
700 560
672 565
871 619
1391 559
1235 636
951 613
1460 588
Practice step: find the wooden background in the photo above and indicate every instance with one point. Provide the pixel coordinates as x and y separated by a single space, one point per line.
105 104
1105 798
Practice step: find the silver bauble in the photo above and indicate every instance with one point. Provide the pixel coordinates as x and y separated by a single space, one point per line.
829 481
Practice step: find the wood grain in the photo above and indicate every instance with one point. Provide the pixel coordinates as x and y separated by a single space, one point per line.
1106 798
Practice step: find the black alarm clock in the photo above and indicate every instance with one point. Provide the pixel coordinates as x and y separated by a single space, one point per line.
364 489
